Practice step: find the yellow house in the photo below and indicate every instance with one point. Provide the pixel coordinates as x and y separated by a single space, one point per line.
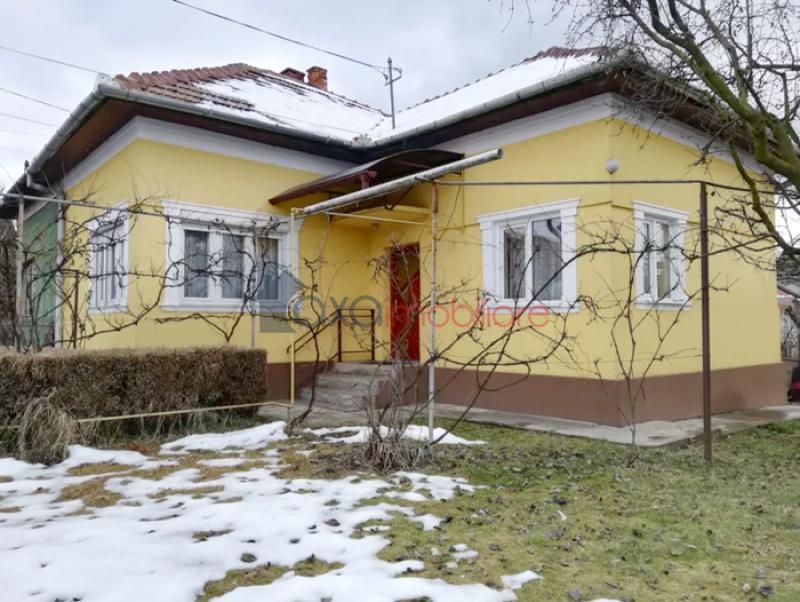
215 206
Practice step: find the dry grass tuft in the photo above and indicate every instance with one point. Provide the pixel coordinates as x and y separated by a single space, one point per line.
92 493
192 491
206 535
9 510
87 470
45 432
263 575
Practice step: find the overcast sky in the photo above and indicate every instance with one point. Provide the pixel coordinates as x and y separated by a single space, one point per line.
440 44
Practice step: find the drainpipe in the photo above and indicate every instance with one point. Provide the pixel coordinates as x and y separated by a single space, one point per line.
432 360
57 323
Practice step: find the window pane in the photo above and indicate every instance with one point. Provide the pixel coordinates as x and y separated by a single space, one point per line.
100 281
514 263
195 253
268 269
547 259
114 269
232 266
662 261
647 259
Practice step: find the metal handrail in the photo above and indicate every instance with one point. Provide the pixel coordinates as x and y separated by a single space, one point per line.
336 318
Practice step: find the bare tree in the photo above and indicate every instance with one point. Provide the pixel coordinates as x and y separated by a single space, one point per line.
729 67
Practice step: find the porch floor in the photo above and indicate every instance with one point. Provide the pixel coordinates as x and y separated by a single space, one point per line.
648 434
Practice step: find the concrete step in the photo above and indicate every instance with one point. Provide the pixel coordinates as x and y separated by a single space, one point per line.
361 383
386 370
345 400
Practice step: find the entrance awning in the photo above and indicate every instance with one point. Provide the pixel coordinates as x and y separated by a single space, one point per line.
383 170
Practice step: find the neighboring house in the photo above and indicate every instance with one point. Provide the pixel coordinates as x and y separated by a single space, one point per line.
225 153
788 269
8 248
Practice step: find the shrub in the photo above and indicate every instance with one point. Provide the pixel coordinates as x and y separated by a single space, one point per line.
90 384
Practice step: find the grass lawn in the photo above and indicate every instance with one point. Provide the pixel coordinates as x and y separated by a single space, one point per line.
668 529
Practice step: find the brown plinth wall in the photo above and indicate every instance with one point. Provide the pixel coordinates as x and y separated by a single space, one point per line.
670 397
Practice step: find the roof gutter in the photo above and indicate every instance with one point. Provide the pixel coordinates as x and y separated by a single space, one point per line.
105 87
70 125
387 187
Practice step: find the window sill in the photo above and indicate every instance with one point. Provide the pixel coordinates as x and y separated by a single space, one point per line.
663 304
108 309
220 307
532 306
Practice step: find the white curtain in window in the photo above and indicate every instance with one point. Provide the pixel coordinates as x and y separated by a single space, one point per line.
232 275
514 263
195 247
547 261
268 270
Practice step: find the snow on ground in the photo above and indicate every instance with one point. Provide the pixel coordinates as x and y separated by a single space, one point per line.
251 438
360 434
170 532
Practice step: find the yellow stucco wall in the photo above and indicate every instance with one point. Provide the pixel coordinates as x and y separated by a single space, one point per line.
744 317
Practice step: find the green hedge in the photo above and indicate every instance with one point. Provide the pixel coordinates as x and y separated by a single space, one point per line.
88 384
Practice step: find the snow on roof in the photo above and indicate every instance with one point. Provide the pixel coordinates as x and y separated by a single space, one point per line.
261 94
281 100
544 66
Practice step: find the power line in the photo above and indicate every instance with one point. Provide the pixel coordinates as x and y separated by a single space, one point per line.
10 116
32 99
9 132
381 69
51 60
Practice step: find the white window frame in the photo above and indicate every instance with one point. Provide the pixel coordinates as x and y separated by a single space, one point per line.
115 219
676 221
217 221
493 226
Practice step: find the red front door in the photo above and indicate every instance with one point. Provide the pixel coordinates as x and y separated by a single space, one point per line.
404 298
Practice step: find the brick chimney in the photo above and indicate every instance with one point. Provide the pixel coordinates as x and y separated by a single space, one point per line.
293 73
318 77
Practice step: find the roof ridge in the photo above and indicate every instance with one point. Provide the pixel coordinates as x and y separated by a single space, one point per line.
552 52
202 75
136 80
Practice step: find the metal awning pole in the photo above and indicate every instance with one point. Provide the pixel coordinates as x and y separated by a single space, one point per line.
705 323
432 358
293 264
20 265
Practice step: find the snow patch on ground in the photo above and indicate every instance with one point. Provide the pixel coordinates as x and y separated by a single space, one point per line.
520 579
360 434
170 536
252 438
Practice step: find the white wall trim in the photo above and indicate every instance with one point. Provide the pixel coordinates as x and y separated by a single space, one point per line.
541 124
568 205
182 214
660 211
492 226
596 108
115 213
678 297
144 128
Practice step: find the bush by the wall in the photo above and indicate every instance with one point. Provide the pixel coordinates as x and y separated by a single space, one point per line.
88 384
